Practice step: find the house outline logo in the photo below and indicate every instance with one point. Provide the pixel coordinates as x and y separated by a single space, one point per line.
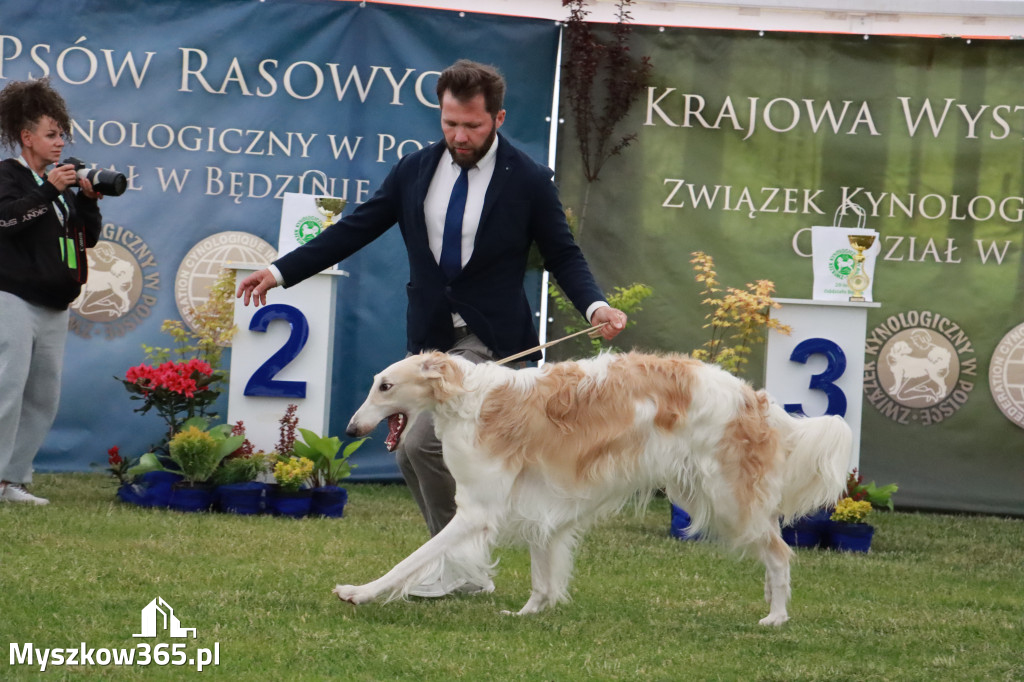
158 611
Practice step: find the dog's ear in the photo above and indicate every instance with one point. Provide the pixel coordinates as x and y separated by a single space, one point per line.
443 375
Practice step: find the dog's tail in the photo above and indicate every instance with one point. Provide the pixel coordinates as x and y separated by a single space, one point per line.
817 453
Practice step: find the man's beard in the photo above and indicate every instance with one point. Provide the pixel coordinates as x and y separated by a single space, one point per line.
478 153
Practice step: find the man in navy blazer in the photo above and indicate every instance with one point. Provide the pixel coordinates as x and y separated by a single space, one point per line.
480 310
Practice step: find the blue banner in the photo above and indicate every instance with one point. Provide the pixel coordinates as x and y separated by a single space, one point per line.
214 110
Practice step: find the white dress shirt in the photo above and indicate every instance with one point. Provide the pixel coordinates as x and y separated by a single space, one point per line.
435 206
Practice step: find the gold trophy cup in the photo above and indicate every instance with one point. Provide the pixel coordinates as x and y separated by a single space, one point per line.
329 207
858 279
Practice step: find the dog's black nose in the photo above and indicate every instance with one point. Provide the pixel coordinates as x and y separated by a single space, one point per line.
351 432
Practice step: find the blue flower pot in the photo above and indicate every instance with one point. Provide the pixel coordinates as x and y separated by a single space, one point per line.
295 504
679 527
329 501
808 531
241 498
191 498
851 537
131 493
155 488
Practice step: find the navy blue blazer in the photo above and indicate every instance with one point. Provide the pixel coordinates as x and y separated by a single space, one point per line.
521 207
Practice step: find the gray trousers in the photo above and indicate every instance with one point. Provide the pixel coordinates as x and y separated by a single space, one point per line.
31 358
421 460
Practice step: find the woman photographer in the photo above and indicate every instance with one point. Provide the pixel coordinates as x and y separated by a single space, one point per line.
45 228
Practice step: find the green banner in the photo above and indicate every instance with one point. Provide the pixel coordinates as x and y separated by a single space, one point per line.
747 140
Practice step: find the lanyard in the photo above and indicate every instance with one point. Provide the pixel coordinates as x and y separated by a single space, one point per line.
69 249
61 205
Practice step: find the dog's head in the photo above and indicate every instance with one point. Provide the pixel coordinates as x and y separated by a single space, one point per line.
404 390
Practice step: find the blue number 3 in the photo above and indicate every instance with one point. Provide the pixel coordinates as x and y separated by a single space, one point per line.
824 381
262 381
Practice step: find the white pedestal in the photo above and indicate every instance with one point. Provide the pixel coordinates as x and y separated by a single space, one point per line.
819 368
282 354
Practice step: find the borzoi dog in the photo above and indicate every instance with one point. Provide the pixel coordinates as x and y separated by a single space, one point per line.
540 454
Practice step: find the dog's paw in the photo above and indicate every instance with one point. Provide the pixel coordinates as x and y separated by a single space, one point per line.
353 594
774 619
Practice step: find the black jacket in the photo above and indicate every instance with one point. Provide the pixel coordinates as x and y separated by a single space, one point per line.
521 207
32 266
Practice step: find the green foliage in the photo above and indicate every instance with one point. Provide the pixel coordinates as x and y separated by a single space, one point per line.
214 328
627 299
738 318
880 498
195 451
328 466
240 469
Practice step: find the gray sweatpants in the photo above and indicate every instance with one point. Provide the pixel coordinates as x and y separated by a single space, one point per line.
31 357
421 460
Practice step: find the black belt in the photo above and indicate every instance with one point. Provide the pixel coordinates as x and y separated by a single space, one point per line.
462 332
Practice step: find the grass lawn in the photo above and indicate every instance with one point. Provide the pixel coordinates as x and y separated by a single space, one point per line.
938 597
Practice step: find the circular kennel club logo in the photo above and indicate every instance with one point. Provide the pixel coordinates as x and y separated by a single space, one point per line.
924 367
204 262
121 289
307 228
1006 375
841 263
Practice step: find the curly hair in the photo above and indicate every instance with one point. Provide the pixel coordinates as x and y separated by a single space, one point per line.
24 103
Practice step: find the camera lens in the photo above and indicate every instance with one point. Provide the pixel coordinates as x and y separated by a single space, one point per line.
106 182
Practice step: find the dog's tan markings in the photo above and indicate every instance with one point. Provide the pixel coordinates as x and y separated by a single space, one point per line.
446 376
669 381
749 449
576 424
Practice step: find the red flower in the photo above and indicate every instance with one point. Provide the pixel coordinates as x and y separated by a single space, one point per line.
114 456
173 376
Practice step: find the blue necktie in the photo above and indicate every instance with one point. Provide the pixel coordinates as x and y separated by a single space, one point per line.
451 244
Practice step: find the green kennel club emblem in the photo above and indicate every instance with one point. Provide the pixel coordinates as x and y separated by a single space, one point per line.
307 228
841 263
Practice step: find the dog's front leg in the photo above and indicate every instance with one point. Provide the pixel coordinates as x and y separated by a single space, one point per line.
415 567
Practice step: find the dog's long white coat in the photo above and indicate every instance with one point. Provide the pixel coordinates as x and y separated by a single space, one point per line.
540 454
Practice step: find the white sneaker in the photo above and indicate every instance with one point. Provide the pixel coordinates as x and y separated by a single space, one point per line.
440 586
430 589
473 588
15 492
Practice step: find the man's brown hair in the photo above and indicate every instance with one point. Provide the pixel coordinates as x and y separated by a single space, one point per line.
466 79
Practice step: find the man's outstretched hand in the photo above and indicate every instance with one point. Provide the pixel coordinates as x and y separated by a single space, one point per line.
254 287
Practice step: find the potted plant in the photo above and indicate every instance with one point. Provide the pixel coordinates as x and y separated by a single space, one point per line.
181 383
131 488
808 531
196 454
329 468
238 488
679 527
848 530
290 498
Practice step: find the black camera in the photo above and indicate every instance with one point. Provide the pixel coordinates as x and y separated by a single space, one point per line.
106 182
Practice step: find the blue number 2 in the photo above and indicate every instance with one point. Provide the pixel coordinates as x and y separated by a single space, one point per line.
262 381
824 381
